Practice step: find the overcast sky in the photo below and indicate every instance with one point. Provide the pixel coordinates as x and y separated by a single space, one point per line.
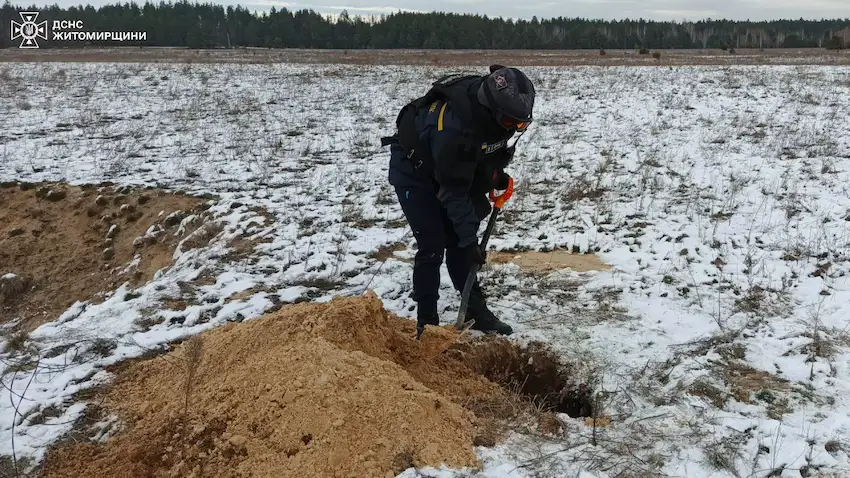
604 9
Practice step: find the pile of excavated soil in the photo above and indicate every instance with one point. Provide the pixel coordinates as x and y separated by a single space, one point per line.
60 244
536 261
315 389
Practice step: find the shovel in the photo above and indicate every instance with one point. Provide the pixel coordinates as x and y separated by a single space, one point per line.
498 203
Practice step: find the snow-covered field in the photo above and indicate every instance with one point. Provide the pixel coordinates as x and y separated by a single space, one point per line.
719 340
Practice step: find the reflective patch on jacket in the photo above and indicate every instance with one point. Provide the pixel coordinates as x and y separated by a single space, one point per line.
493 147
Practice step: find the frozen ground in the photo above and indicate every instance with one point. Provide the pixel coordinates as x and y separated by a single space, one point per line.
719 342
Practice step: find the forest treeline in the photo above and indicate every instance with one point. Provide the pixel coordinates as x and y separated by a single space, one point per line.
207 25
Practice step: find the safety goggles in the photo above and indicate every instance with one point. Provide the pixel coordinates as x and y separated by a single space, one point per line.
509 122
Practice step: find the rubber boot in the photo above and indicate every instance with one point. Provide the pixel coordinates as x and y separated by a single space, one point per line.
485 320
426 314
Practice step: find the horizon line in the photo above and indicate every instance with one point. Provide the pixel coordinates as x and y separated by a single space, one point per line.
285 6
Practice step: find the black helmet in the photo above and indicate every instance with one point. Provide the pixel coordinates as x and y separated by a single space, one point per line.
509 95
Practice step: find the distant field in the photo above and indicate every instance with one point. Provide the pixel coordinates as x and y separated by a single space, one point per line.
803 56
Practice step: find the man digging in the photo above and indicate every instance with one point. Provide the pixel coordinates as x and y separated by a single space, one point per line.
449 152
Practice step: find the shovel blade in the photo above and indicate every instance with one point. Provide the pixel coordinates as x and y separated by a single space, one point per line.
466 326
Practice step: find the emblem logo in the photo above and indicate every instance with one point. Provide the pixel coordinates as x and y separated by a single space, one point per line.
501 82
28 30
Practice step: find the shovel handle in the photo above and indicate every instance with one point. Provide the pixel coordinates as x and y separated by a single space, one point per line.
500 200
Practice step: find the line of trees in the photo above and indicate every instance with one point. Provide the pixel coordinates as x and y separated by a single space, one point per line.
196 25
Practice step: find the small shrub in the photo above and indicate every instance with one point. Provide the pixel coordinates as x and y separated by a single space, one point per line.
657 55
601 52
731 51
644 51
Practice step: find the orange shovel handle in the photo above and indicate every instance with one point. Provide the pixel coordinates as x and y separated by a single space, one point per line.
500 200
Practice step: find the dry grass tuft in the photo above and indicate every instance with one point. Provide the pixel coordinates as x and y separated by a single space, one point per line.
734 379
583 187
202 236
17 342
193 353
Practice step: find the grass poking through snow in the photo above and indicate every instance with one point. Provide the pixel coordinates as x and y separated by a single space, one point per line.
718 194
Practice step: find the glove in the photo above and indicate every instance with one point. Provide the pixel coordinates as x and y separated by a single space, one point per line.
500 180
475 254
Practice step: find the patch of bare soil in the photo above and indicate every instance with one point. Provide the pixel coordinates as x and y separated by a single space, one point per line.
60 244
316 389
386 251
548 261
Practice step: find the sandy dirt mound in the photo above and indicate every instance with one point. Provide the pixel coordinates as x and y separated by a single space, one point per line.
548 261
334 389
60 244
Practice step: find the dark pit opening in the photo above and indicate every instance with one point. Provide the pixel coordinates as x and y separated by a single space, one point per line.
534 371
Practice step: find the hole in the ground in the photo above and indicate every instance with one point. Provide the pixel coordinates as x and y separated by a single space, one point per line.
534 372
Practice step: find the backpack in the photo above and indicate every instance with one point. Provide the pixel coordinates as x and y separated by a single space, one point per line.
453 88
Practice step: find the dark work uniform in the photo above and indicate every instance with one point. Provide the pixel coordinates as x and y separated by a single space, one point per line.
443 191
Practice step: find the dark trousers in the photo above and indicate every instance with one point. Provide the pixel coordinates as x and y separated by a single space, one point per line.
436 240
